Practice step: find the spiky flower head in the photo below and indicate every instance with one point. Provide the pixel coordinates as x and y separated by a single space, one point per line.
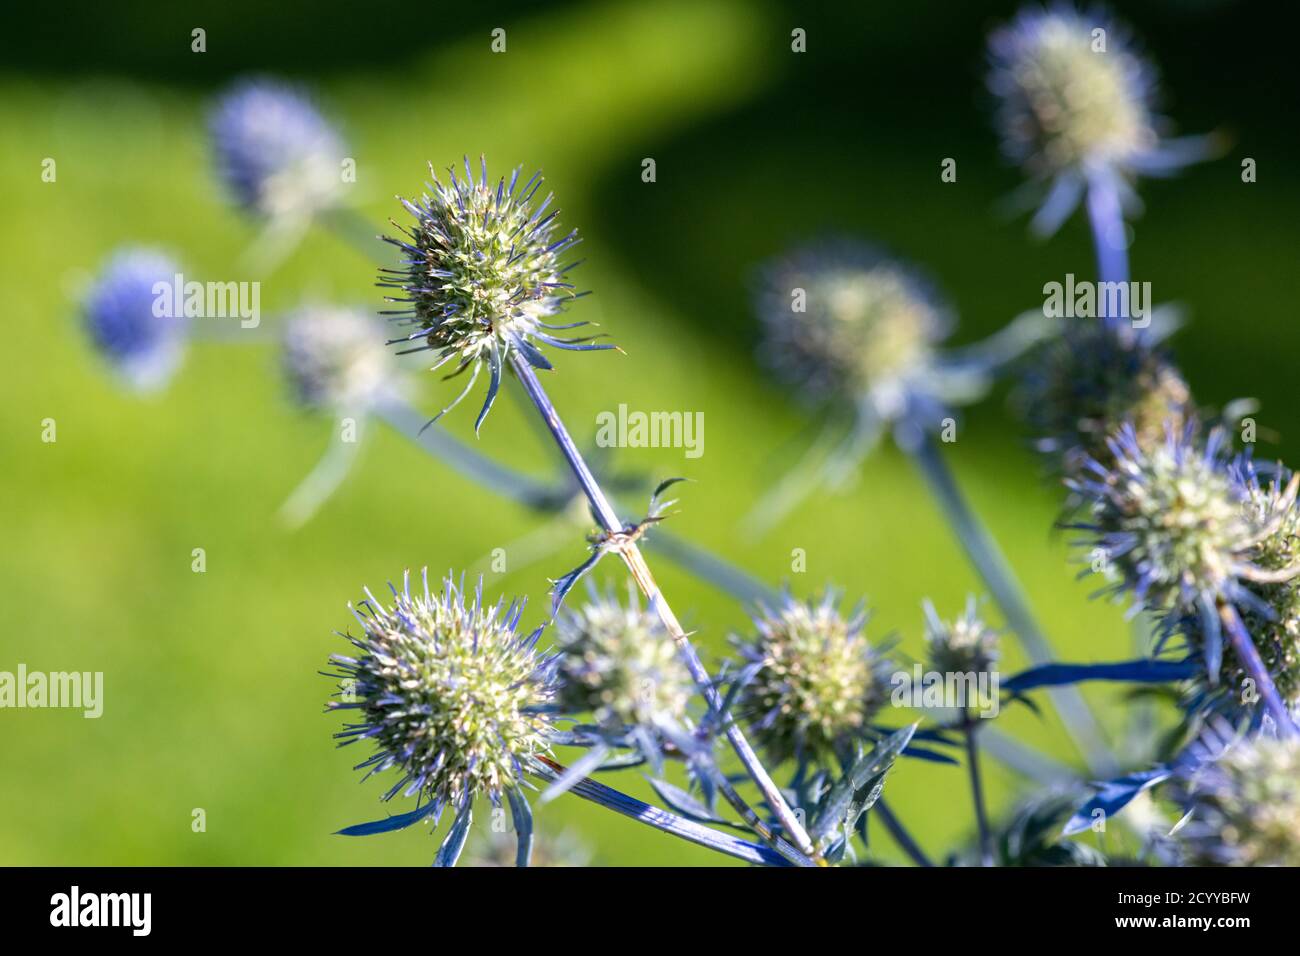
1073 97
965 645
130 321
447 691
1169 519
1086 384
275 153
1271 609
334 358
482 275
812 680
1244 807
842 322
618 663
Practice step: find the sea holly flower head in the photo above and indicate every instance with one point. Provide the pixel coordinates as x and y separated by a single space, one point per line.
1169 519
1272 615
1072 94
334 358
448 692
1083 386
618 663
482 275
1243 809
811 680
843 323
277 156
131 323
1076 104
965 645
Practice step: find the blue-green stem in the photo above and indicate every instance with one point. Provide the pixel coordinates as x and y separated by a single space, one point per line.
1000 580
977 791
640 571
900 834
1248 654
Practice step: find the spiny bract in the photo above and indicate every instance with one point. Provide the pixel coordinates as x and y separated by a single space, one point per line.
618 663
334 358
816 680
1244 807
276 154
482 275
130 321
448 693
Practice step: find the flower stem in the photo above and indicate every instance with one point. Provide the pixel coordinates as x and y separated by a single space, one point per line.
977 791
1000 580
588 789
1106 217
1246 652
645 580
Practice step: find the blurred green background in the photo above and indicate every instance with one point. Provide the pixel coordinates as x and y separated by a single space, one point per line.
212 696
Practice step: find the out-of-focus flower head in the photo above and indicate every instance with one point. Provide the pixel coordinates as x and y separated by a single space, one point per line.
131 322
1076 101
1243 809
844 324
965 645
811 681
451 696
277 156
617 663
334 358
1083 386
482 275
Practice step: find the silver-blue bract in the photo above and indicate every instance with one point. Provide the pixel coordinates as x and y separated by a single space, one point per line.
275 153
128 313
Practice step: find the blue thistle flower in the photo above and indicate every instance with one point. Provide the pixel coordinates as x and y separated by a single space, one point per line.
334 358
964 645
130 323
452 698
1243 808
1085 385
863 333
810 680
276 154
482 275
1169 519
1070 111
618 663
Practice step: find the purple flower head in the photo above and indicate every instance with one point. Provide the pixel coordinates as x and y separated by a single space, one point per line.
130 321
1076 102
276 155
